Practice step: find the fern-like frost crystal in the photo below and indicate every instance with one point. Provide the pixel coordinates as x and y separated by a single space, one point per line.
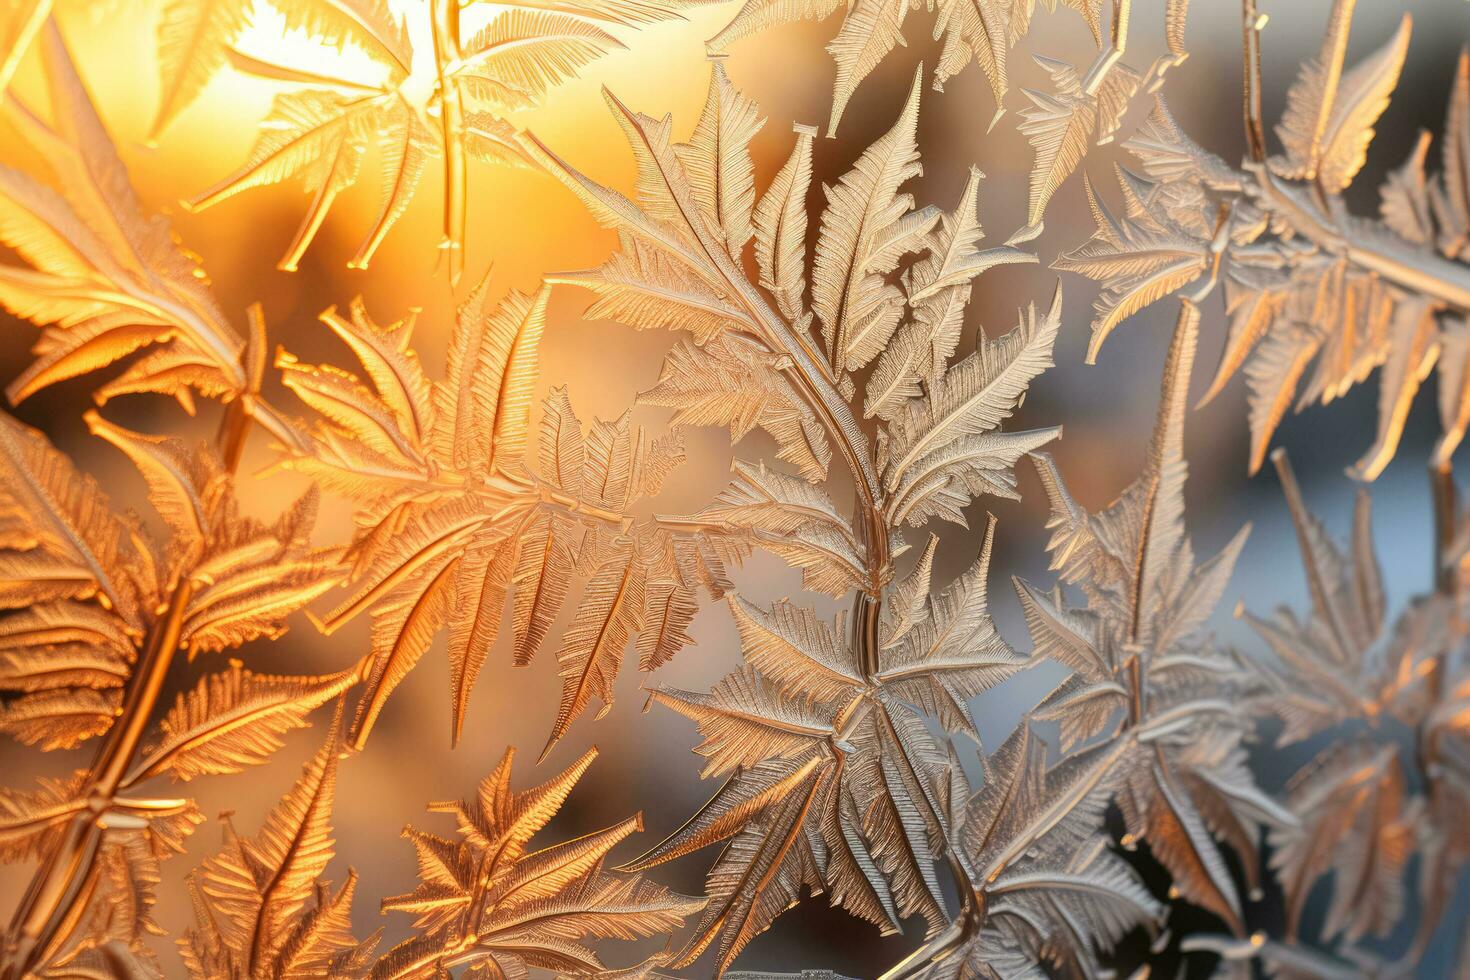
454 518
835 784
321 131
488 902
1145 675
1318 298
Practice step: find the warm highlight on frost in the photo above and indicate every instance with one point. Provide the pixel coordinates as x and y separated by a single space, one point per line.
1129 805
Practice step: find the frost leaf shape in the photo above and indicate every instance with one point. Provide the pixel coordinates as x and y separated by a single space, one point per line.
955 652
715 155
1308 320
321 133
1062 127
195 40
62 719
84 587
834 782
113 919
486 901
233 719
981 32
1139 257
792 519
946 447
32 820
732 383
251 899
939 286
1330 113
58 645
249 576
74 611
1333 667
610 614
1360 816
453 518
106 280
88 594
57 524
1430 213
1049 882
754 361
780 228
1357 823
1146 677
867 226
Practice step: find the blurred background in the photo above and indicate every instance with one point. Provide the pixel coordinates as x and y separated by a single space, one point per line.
524 224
